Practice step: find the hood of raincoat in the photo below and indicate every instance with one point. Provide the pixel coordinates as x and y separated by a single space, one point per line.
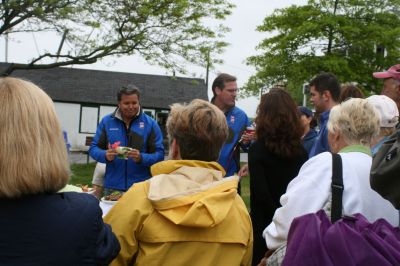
192 193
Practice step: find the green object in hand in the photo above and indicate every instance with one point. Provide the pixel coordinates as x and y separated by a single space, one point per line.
123 152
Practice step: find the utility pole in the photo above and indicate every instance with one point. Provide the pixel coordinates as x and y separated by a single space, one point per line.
306 90
6 47
207 67
61 44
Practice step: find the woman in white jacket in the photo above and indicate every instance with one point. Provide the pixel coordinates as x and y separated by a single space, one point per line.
351 126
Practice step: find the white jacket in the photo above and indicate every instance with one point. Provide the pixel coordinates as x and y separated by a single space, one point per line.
311 190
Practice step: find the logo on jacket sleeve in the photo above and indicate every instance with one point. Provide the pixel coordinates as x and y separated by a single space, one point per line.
141 125
232 119
114 129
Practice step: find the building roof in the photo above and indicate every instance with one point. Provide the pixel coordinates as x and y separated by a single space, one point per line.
101 87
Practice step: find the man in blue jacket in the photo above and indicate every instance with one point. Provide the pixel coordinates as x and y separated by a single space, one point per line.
129 127
225 90
324 94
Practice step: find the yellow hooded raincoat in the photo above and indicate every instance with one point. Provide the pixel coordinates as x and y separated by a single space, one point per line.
187 214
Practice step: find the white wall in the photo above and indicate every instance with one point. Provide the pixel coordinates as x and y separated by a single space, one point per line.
69 115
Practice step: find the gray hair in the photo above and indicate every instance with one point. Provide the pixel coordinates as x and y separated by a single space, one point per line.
356 119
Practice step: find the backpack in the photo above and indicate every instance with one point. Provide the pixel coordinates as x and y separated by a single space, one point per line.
385 170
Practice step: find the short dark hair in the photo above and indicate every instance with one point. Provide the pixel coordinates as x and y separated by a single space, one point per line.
220 81
327 82
128 90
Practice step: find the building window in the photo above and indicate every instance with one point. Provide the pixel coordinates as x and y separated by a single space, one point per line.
89 119
150 112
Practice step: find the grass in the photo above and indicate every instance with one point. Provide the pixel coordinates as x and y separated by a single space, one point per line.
82 175
245 190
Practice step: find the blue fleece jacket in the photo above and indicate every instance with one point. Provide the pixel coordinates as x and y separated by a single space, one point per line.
309 139
321 143
229 157
143 134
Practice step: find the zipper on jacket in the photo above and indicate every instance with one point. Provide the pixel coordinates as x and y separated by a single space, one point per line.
126 161
127 142
127 129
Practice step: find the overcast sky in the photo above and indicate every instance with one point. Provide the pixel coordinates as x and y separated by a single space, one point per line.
243 39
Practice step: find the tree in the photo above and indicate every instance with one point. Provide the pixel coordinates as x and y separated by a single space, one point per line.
169 33
351 38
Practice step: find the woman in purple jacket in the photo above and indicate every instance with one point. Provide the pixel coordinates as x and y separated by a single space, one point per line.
38 225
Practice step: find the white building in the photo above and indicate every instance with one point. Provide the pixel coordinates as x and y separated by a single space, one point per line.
82 97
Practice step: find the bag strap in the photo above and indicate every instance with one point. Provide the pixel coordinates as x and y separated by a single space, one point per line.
337 187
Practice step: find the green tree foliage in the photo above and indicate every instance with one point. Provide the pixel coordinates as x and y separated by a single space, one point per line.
169 33
351 38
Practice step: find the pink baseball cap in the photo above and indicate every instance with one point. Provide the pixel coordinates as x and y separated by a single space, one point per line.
392 72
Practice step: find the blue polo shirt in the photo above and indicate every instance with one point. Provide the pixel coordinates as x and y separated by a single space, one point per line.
321 143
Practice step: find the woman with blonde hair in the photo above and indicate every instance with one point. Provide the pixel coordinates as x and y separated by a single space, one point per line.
39 225
351 127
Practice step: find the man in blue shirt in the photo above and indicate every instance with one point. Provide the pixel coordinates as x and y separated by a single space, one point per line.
324 94
127 127
225 90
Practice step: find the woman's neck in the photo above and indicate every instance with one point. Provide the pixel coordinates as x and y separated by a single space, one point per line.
306 129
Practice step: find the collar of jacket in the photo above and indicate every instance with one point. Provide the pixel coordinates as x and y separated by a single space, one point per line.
356 148
312 133
166 167
324 116
117 114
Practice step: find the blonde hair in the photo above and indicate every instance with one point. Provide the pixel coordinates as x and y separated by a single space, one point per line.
33 156
356 119
199 128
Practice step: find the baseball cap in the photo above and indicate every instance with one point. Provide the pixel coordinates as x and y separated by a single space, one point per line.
304 110
387 109
392 72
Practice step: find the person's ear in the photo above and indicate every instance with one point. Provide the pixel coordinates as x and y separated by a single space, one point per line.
218 91
333 140
174 152
326 95
398 87
337 135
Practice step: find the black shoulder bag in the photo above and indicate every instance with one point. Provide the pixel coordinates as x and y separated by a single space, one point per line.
385 170
337 187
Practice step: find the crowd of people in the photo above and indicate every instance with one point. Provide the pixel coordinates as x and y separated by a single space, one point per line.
187 210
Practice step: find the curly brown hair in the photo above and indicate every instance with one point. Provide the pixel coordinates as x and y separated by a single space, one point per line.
278 124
